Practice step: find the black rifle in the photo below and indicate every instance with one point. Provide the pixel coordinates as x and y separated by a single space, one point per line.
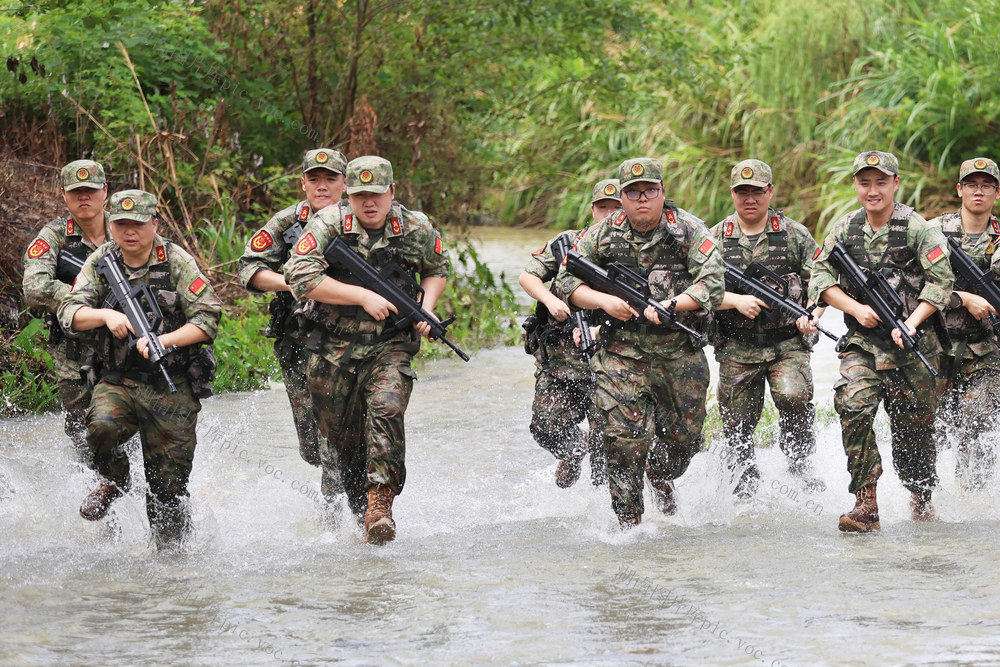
587 344
291 235
976 279
748 282
129 299
68 266
283 302
409 310
876 292
627 285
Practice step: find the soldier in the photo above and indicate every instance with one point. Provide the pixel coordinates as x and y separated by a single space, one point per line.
48 273
563 380
969 385
651 381
360 376
132 395
891 238
260 271
752 345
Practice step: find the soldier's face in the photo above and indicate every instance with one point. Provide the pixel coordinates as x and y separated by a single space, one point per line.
323 187
752 202
370 208
978 193
135 238
876 191
85 203
644 212
603 208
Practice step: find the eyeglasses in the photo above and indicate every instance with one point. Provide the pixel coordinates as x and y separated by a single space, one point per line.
747 193
634 195
985 188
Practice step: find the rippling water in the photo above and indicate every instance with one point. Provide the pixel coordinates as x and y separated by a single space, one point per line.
492 563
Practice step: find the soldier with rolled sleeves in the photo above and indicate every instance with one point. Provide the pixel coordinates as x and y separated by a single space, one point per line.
891 238
133 395
652 381
360 375
969 384
753 344
48 276
564 384
261 271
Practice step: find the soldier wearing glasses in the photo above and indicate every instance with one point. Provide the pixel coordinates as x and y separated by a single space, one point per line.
969 385
652 380
754 344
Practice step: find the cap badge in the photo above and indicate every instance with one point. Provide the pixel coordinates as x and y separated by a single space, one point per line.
322 157
980 164
82 174
873 159
609 189
365 176
637 170
747 172
127 204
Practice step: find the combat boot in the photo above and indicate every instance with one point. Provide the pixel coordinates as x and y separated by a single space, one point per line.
95 505
379 526
864 517
921 507
568 471
663 492
628 521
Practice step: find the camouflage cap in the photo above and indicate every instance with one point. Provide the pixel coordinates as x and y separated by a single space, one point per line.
884 162
324 158
609 188
82 174
133 205
369 174
979 165
640 170
750 172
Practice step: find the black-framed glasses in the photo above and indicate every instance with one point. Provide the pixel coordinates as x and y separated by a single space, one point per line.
649 193
985 188
747 193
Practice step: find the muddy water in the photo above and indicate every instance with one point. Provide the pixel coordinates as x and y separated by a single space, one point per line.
493 564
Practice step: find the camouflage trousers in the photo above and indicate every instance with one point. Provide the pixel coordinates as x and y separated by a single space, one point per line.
293 359
741 402
910 401
360 405
558 408
166 425
968 402
75 398
654 412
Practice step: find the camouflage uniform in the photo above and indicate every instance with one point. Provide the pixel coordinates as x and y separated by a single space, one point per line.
910 253
768 347
969 385
651 381
564 383
132 394
360 376
44 289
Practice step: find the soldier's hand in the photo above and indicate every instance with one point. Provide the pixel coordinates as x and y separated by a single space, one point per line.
423 329
897 337
807 325
142 347
749 306
617 308
866 317
577 336
377 306
977 305
117 323
559 310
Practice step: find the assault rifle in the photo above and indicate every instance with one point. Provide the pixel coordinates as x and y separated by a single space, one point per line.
291 235
129 299
282 303
749 282
983 285
68 266
587 344
380 282
876 292
627 285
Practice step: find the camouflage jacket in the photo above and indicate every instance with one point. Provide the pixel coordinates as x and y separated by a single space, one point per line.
970 338
267 248
191 300
797 266
557 355
931 283
44 291
679 240
408 239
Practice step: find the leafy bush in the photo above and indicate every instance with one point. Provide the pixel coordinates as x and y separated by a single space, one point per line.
26 380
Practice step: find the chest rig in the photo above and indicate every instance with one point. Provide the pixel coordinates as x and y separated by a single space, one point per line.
962 326
74 245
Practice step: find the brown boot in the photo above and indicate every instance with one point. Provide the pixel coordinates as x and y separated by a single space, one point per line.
663 492
864 517
628 521
95 505
379 526
568 471
921 507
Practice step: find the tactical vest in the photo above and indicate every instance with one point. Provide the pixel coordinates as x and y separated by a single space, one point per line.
960 322
668 275
73 244
900 264
771 326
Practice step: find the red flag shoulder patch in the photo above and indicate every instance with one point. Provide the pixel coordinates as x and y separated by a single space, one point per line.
261 241
306 243
161 254
437 245
934 256
819 251
198 286
706 247
540 250
38 248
